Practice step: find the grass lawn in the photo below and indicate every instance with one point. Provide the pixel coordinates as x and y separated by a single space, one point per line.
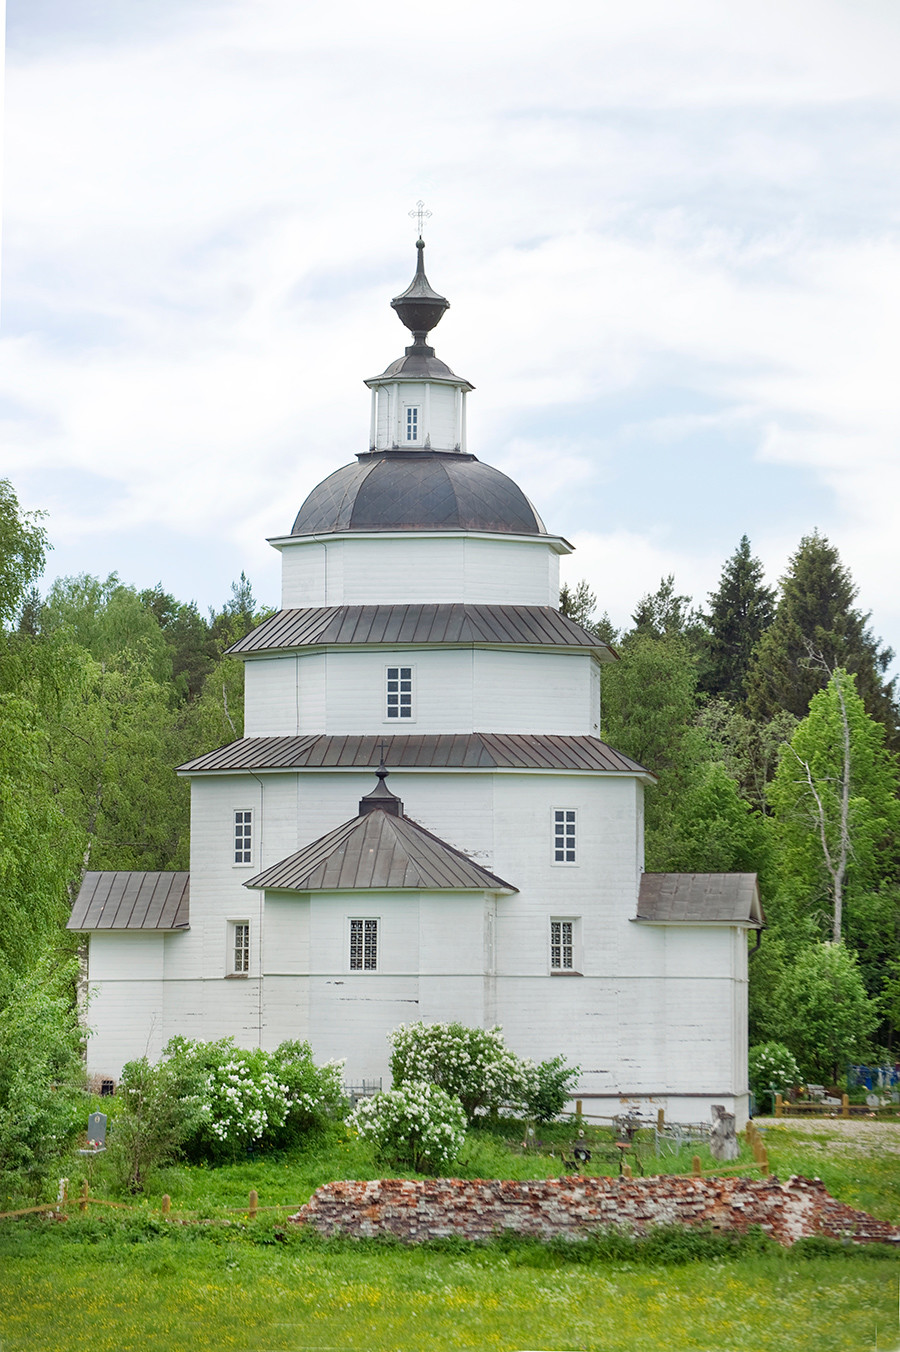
120 1280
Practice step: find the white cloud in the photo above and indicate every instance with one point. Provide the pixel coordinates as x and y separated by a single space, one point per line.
654 224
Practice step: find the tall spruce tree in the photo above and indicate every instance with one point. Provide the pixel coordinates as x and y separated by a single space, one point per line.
740 611
665 614
817 628
578 603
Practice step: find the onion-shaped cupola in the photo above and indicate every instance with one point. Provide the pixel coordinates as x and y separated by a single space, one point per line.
420 307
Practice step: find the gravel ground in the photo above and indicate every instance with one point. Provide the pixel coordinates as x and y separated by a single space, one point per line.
851 1135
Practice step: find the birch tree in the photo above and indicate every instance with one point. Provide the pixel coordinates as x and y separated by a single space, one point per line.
835 802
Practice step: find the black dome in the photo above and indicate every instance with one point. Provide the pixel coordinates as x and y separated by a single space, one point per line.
408 490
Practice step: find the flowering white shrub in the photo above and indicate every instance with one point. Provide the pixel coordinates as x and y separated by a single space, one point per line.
415 1124
251 1097
474 1064
313 1092
243 1100
772 1067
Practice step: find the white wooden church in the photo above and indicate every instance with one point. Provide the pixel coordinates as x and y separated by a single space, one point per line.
492 872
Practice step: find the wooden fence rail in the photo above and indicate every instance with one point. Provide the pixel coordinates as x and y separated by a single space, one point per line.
64 1203
814 1108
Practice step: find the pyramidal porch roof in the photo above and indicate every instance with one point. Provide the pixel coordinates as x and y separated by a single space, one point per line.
379 851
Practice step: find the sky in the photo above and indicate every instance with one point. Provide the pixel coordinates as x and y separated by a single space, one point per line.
670 236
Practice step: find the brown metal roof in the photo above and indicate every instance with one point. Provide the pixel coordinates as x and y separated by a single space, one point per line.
691 898
426 751
519 626
132 901
378 851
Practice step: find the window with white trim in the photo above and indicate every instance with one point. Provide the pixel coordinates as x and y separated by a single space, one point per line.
399 695
562 945
363 945
412 424
564 835
240 947
243 836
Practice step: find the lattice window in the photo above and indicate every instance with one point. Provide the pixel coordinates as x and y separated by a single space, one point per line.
243 836
363 945
564 835
562 945
399 692
241 947
412 424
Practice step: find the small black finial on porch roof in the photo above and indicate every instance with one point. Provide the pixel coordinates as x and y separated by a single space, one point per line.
381 797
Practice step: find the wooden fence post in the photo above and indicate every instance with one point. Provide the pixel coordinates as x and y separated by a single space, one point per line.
764 1161
579 1108
660 1119
696 1166
166 1204
779 1106
845 1105
626 1171
254 1202
83 1205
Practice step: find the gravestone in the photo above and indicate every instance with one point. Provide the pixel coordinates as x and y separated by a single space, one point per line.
722 1139
96 1134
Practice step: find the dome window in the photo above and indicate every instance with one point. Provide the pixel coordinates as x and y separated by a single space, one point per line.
412 423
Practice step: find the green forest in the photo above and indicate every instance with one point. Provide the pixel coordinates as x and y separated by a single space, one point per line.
768 717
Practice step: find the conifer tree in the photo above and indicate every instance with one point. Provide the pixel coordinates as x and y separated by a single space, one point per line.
817 628
665 614
740 611
578 603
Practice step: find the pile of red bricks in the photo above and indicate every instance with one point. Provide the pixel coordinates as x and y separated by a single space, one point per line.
572 1207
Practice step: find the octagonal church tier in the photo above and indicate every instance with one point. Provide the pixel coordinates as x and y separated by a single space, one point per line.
495 874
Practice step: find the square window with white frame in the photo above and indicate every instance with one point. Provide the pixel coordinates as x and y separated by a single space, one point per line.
564 945
364 945
399 693
243 836
239 947
564 835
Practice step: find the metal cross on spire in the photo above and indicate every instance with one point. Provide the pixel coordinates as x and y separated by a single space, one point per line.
421 216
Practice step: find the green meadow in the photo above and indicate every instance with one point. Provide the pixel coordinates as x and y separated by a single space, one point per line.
120 1279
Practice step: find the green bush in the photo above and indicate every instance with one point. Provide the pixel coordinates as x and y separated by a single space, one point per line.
41 1074
212 1101
158 1107
415 1125
548 1087
314 1093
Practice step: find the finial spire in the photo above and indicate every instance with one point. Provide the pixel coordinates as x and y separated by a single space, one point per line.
381 796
